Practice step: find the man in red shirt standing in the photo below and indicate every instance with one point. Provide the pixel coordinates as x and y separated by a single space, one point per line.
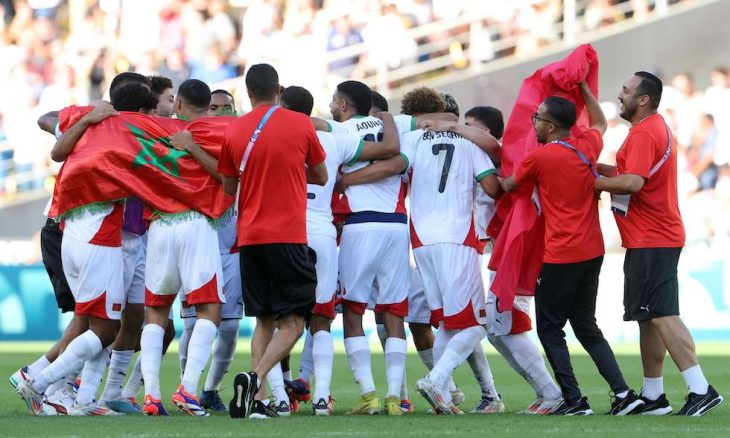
643 189
563 171
274 152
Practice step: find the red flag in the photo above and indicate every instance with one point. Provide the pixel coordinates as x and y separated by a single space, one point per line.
130 154
520 232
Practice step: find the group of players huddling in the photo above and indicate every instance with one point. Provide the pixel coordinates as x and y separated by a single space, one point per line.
120 273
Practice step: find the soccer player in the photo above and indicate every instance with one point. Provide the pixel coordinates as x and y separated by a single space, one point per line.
182 253
269 155
643 187
341 149
563 171
162 87
444 166
232 310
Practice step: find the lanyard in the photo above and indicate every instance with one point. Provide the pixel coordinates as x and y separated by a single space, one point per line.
667 152
582 157
249 148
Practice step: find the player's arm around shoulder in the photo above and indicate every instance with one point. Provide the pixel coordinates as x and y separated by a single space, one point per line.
375 172
388 147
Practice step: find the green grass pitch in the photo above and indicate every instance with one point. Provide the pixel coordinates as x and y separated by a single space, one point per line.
15 420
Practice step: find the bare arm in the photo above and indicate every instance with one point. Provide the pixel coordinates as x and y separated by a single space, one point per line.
625 184
65 145
508 184
595 115
606 169
491 186
230 185
317 174
374 172
48 122
320 124
386 148
478 136
183 141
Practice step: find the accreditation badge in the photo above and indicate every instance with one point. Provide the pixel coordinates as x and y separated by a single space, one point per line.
620 204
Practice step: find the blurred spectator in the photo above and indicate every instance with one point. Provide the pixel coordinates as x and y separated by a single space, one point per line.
615 134
701 155
717 103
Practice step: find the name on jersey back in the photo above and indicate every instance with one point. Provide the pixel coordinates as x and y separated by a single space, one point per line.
433 135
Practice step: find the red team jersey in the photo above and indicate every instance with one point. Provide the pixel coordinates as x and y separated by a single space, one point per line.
273 202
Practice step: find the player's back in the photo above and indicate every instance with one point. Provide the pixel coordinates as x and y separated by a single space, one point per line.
443 168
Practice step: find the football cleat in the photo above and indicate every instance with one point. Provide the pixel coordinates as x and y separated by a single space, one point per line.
432 394
92 409
324 408
299 389
124 406
261 411
392 406
281 408
457 396
31 397
19 376
369 404
188 403
62 400
211 400
489 405
406 406
542 406
153 407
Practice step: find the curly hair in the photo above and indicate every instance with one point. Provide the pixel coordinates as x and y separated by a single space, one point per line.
422 100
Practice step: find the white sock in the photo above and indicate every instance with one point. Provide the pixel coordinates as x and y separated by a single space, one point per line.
395 364
188 325
323 353
460 346
695 380
382 334
524 357
118 367
39 365
151 358
135 381
653 388
306 365
201 343
223 351
276 383
287 374
480 367
81 349
91 376
427 357
404 385
358 356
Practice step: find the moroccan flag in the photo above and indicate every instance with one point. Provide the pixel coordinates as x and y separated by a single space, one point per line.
130 155
520 232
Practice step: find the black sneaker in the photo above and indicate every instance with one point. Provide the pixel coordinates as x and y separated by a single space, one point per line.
245 386
700 404
629 405
261 411
580 407
211 400
660 406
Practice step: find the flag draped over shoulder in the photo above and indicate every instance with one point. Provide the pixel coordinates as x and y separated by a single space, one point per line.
130 154
519 230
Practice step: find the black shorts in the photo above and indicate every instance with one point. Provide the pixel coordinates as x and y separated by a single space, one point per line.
51 237
651 288
278 279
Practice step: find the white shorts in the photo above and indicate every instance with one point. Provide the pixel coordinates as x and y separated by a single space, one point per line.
418 310
453 284
95 277
183 256
233 307
133 248
375 254
326 249
510 322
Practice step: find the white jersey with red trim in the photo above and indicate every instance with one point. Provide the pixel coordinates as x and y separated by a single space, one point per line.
443 168
100 224
484 210
388 194
340 149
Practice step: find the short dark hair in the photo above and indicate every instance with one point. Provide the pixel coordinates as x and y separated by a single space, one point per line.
451 106
262 81
133 96
298 99
490 117
158 84
561 111
126 78
651 86
379 101
358 95
226 92
195 93
422 100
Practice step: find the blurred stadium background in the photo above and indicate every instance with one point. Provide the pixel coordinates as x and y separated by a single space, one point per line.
56 53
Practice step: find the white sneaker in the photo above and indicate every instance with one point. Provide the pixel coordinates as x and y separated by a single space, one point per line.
433 395
93 409
31 397
62 400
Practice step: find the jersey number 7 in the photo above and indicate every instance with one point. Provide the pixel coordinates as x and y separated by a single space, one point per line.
449 148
